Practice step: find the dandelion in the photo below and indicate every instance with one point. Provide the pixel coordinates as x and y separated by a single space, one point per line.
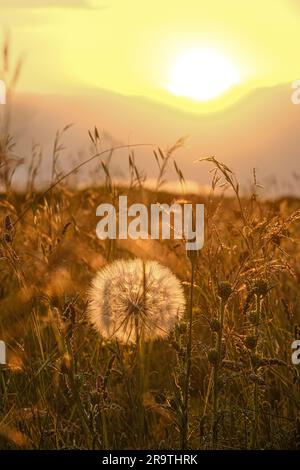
133 299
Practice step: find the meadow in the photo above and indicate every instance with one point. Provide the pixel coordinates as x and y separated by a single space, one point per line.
223 378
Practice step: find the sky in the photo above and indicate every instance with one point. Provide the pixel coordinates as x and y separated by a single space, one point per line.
130 47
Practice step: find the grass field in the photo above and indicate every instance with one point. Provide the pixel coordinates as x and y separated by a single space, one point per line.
223 378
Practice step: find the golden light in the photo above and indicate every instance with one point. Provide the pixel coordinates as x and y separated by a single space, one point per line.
202 74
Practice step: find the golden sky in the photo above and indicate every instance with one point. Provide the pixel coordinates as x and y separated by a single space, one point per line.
130 46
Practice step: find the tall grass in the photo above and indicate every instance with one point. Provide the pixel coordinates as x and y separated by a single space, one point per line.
223 379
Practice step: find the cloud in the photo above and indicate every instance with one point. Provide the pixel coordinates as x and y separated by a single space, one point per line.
86 4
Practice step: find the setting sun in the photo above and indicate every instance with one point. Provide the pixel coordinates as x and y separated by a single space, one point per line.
202 74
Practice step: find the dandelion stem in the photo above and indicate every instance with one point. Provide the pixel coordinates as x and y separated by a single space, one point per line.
185 426
216 377
255 386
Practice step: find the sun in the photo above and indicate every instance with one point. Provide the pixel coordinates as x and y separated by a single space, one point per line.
202 75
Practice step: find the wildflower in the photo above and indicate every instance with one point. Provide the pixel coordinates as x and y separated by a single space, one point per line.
251 342
213 356
133 299
215 325
261 287
224 290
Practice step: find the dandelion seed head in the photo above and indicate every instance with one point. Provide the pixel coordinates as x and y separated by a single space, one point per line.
131 298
